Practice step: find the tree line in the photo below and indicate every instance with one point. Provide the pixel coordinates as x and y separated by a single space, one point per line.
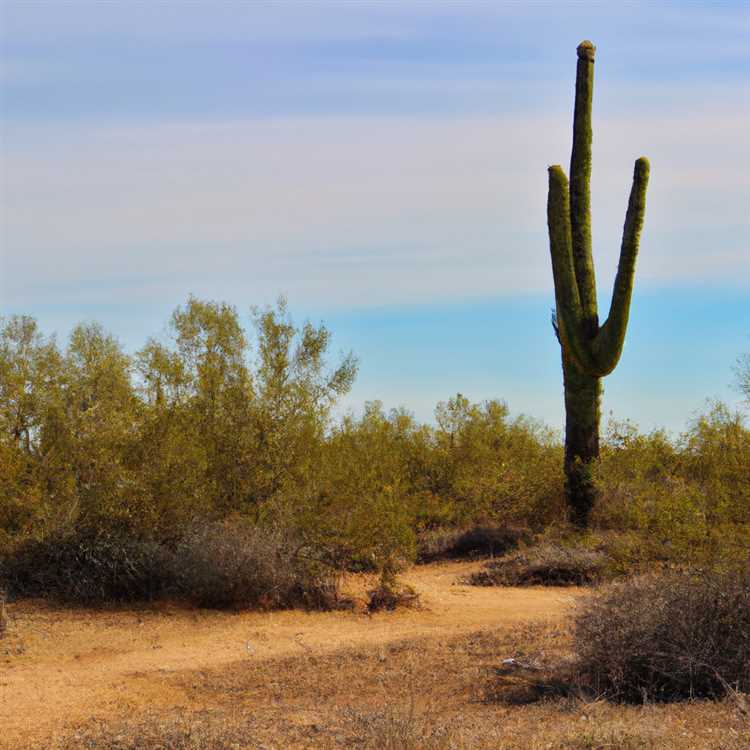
220 420
223 421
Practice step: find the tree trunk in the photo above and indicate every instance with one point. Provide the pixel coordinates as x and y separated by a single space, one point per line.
582 397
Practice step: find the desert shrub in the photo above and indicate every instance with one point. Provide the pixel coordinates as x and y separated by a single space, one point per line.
674 636
87 567
231 564
358 505
634 473
681 501
544 565
213 421
389 595
477 541
492 467
368 532
238 565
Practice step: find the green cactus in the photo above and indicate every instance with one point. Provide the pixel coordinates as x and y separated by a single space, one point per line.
589 351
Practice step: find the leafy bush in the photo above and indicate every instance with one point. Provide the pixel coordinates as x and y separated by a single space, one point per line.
675 636
491 467
358 505
544 565
217 421
684 501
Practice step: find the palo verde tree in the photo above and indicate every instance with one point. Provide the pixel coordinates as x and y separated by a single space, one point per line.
589 350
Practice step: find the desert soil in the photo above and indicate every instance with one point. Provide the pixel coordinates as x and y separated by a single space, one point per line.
60 668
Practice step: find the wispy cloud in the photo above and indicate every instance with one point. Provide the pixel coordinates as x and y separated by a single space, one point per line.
362 210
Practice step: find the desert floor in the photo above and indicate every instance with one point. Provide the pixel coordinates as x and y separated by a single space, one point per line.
424 677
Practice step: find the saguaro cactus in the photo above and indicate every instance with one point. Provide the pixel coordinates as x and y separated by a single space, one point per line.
589 351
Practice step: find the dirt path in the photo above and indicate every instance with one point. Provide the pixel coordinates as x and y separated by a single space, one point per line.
59 667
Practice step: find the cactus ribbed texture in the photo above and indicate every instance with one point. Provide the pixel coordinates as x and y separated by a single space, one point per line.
589 351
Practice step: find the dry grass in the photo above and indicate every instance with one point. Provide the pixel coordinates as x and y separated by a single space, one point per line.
3 615
425 694
12 644
433 678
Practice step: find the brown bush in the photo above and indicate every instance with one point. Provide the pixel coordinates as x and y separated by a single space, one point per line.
544 565
471 543
386 596
87 568
3 615
675 636
231 564
239 565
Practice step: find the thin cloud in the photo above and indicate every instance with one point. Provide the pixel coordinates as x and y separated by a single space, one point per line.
362 210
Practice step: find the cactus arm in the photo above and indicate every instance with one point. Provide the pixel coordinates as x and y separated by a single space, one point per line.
580 186
567 298
558 223
609 342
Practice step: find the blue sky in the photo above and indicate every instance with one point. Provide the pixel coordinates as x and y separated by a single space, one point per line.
383 164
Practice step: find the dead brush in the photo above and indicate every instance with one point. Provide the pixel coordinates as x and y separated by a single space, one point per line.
404 721
393 728
678 636
469 543
544 565
3 616
387 596
237 565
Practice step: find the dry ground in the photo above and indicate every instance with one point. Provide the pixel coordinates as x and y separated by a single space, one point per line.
427 678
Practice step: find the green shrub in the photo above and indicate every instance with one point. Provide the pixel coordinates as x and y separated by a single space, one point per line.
490 467
674 636
217 422
357 506
684 501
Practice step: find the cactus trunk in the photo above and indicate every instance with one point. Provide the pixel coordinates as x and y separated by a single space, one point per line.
582 398
589 351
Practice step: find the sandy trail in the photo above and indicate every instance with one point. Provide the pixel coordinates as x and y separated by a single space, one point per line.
59 667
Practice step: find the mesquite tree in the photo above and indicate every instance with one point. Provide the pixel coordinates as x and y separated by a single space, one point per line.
589 351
